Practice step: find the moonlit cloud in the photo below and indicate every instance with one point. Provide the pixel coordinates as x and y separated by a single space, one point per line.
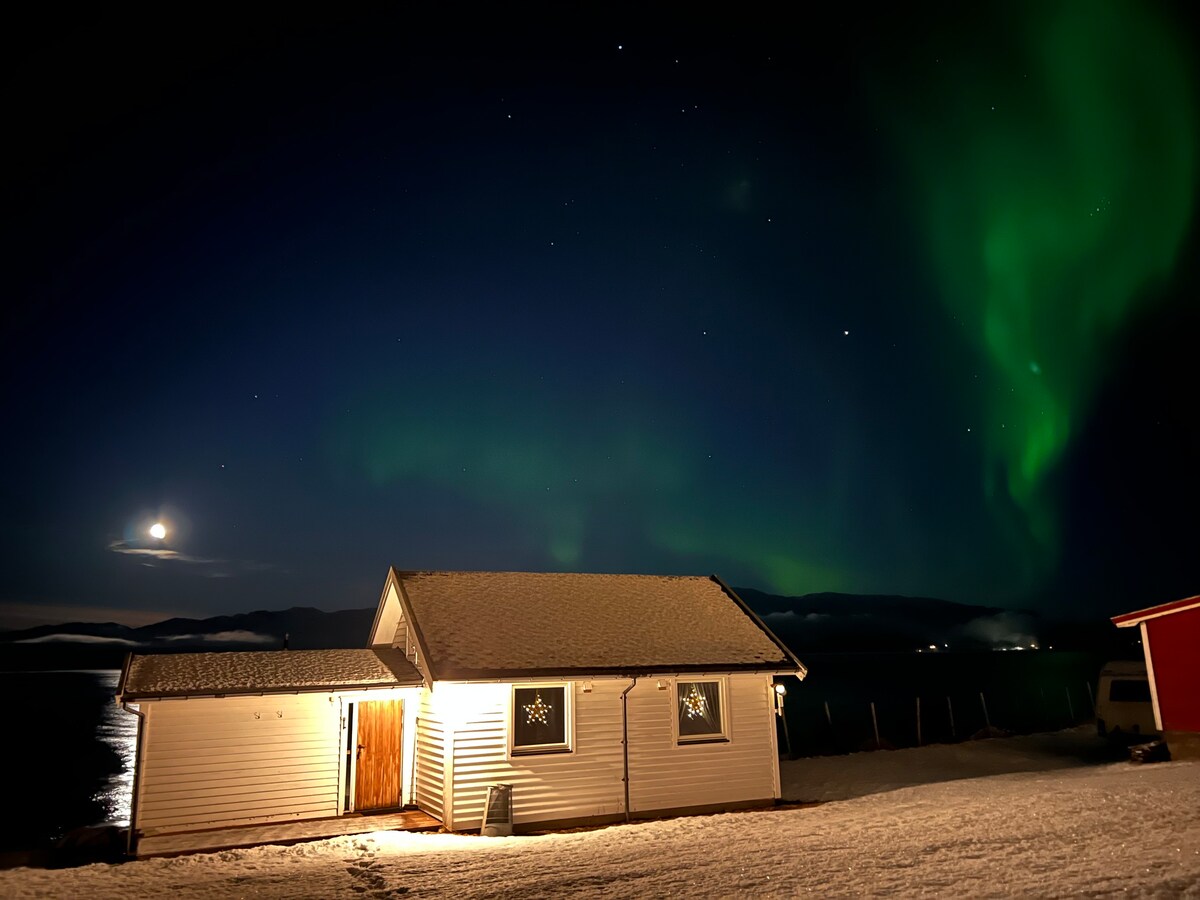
211 568
77 639
237 636
790 616
129 548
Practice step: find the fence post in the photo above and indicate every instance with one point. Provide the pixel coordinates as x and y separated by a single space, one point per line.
918 721
875 725
950 707
987 720
1070 705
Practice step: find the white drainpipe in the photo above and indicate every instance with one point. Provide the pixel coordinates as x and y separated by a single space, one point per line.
625 740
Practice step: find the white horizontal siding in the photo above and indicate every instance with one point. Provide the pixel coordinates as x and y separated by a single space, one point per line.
232 760
549 786
428 767
666 775
587 781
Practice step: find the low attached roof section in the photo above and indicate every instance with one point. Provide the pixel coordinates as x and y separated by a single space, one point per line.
263 672
1164 609
479 625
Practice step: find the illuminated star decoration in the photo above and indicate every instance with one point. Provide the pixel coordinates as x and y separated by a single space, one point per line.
536 711
693 704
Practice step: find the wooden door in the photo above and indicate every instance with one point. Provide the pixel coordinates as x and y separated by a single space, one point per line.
377 772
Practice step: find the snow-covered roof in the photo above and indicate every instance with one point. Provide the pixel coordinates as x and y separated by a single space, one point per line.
263 672
520 624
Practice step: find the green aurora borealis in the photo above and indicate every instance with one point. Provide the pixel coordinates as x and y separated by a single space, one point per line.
612 471
1051 183
1054 176
877 299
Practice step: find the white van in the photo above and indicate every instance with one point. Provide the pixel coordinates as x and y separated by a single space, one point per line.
1123 705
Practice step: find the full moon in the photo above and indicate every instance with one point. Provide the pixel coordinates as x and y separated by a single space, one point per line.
158 531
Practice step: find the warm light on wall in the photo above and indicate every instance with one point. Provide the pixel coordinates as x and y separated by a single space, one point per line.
455 704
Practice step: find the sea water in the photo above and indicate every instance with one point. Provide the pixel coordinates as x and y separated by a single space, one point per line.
67 754
118 731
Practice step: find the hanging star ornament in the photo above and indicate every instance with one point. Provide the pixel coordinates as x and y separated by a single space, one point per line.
537 711
693 704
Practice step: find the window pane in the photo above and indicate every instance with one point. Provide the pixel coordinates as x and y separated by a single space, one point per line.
1129 691
699 708
539 716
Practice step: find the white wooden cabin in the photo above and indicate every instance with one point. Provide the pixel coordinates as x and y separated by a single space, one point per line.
599 698
247 738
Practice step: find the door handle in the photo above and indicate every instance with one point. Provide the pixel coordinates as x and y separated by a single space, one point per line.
361 748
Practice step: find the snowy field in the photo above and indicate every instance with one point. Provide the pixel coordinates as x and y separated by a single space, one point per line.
1021 816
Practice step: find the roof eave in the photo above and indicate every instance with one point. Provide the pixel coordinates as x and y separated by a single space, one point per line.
1129 619
775 667
801 669
425 660
396 671
120 696
135 696
387 582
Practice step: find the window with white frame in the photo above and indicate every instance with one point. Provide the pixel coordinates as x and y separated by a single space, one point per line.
541 718
700 711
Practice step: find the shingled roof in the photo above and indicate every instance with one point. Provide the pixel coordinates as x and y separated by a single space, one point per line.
263 672
471 625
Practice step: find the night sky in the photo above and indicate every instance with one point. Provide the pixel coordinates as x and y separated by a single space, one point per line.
898 303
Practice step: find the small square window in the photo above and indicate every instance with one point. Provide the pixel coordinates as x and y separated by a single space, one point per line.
541 719
699 711
1129 690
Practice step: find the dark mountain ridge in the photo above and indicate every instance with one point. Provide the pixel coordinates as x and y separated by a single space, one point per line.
810 623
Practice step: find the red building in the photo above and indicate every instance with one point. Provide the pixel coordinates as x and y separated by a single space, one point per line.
1171 642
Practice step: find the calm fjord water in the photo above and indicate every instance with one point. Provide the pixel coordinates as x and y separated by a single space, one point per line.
68 751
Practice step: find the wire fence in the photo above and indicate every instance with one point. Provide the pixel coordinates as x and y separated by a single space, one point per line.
846 719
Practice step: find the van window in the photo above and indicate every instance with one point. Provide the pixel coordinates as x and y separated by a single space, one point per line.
1129 690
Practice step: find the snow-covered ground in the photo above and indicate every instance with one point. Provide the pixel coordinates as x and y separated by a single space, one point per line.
1022 816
